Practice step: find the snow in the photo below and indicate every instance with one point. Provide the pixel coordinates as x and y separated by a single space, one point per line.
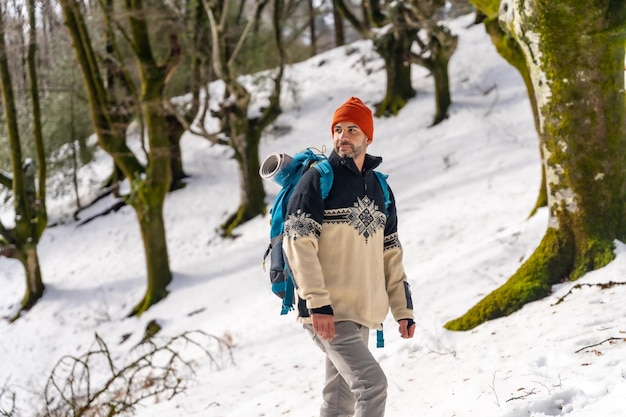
464 191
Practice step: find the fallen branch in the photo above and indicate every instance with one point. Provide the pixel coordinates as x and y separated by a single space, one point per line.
601 285
521 397
610 339
114 208
7 402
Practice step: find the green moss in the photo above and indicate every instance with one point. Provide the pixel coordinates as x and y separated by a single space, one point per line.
390 106
556 259
593 255
583 137
549 264
152 328
488 7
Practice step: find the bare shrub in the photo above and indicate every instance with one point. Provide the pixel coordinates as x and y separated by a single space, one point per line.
93 385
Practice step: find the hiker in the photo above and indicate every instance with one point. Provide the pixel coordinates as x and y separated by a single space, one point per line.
346 261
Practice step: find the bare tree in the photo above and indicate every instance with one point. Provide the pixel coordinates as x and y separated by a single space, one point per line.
409 25
148 186
436 45
242 132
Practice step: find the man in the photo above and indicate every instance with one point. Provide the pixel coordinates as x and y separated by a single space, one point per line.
346 261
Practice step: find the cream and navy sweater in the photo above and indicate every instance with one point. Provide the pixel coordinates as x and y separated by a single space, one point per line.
344 251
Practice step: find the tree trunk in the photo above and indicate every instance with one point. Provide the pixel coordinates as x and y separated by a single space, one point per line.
442 92
578 77
148 187
28 182
175 130
244 133
41 212
151 192
245 138
157 261
441 47
312 29
395 49
372 12
340 38
27 255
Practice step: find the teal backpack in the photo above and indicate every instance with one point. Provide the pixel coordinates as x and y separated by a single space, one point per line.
287 171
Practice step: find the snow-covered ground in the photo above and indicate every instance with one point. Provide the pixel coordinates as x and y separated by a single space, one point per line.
464 190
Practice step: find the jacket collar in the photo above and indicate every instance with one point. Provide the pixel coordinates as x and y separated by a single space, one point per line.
370 163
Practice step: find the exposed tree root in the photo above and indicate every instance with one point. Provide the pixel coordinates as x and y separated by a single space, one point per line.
610 339
601 285
548 265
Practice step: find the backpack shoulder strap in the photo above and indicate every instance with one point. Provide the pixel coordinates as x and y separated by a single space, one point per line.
326 176
382 178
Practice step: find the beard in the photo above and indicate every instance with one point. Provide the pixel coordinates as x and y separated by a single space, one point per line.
352 151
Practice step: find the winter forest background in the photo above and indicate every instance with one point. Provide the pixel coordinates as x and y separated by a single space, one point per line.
133 220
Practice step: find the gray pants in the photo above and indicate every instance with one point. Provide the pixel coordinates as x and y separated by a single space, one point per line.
355 383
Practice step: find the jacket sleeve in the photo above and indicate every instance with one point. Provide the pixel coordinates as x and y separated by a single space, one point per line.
398 289
303 224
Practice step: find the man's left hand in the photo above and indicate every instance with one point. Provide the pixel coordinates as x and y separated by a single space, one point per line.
407 328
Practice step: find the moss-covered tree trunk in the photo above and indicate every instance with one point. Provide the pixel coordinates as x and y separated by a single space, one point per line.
393 45
397 31
245 140
442 91
395 49
29 177
435 57
148 186
575 52
149 193
149 209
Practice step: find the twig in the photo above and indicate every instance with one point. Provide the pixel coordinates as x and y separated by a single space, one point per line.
493 388
495 100
601 285
528 394
599 343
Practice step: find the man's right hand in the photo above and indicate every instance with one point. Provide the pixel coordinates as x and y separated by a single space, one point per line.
324 326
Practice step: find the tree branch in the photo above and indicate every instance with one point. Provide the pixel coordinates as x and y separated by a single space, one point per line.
174 58
199 128
259 5
354 21
601 285
6 180
610 339
153 371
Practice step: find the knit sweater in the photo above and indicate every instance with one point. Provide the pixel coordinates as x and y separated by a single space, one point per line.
344 251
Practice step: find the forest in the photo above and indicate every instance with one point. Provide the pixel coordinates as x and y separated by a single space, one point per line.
73 69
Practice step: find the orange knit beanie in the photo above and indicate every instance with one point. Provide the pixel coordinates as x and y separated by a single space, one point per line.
355 111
